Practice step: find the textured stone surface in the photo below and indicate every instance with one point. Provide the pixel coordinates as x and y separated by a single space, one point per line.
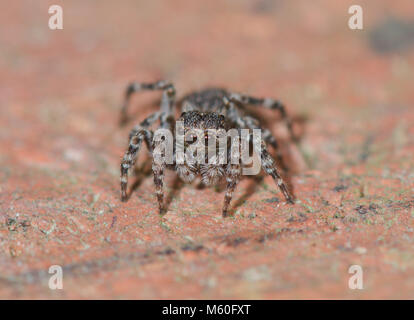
60 149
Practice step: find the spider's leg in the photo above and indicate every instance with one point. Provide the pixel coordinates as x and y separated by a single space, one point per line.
233 178
252 123
158 166
137 134
267 103
167 98
270 168
130 156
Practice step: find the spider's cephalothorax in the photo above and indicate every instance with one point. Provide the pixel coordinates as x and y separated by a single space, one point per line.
203 110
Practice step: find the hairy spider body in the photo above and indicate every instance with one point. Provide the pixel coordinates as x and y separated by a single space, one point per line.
212 108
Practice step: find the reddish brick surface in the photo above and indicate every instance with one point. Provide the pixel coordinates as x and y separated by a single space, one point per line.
60 149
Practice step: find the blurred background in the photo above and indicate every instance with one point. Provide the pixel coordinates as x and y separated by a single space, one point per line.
60 148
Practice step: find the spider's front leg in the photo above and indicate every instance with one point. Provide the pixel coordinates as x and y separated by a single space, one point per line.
158 166
270 167
232 178
131 154
137 134
167 101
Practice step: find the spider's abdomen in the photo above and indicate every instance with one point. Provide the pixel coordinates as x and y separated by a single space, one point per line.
210 99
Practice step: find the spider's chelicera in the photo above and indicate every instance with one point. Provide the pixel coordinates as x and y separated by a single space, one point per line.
211 139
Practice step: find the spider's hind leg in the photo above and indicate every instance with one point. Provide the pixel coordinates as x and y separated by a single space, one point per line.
259 146
167 101
267 103
252 123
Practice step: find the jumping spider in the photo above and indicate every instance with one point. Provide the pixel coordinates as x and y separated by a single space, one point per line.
206 109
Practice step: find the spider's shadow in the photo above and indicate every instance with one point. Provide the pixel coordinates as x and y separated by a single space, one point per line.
251 188
145 171
254 182
175 189
141 173
249 191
